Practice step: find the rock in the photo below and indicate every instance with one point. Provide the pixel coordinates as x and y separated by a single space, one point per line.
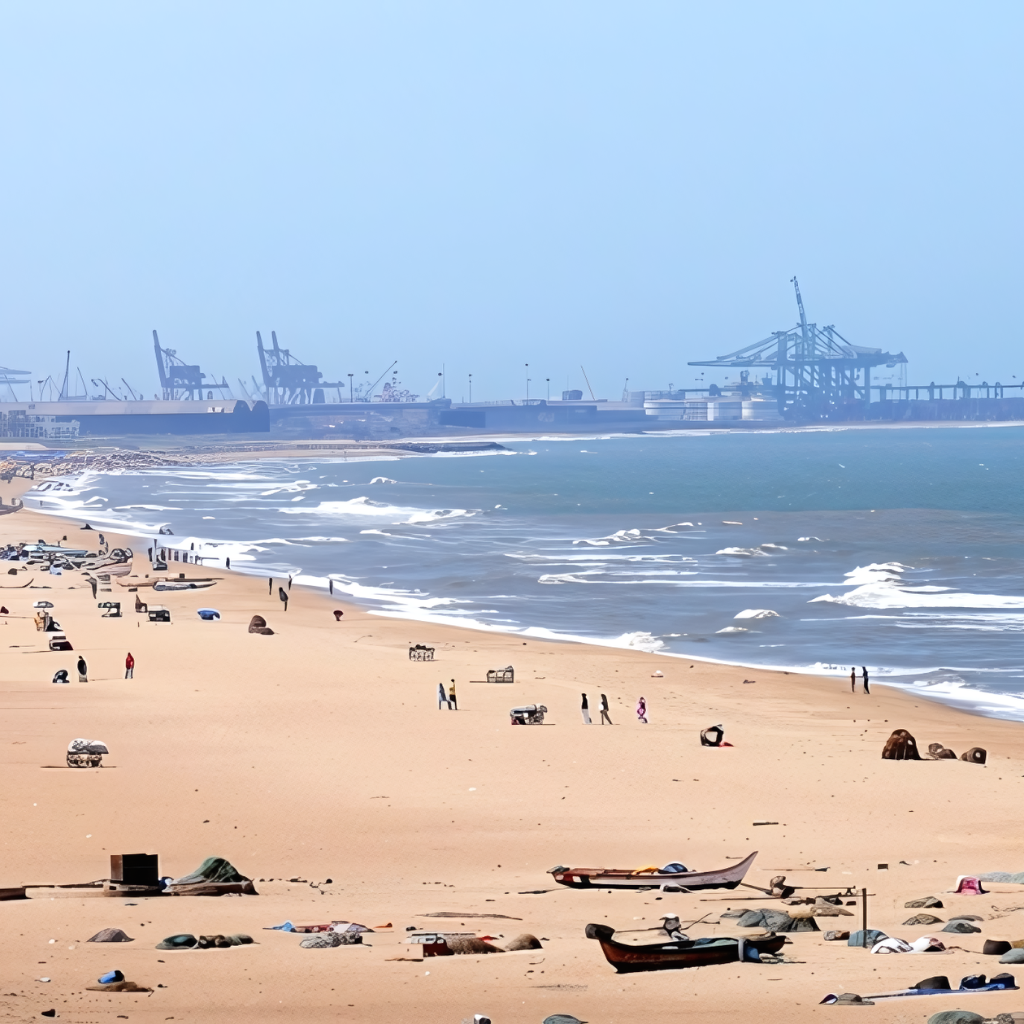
956 1017
1014 956
524 941
976 755
921 921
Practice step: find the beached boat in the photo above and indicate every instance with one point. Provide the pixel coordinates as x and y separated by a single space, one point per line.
670 954
623 878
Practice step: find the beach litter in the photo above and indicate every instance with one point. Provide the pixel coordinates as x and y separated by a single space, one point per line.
969 885
214 877
961 927
110 977
182 941
84 753
329 939
845 999
118 986
110 935
1004 877
208 614
924 901
900 746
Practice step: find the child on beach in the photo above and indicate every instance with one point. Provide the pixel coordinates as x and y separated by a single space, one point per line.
641 711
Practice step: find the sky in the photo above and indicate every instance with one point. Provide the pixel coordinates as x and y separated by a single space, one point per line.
508 190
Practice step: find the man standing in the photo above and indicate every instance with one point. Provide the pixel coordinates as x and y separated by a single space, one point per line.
864 677
129 666
853 679
283 595
453 704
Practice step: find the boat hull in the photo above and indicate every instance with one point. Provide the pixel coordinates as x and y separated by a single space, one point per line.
675 955
605 878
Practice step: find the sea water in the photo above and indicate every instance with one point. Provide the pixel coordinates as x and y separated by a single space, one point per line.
898 549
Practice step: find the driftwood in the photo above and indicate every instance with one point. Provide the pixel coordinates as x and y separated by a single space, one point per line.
901 746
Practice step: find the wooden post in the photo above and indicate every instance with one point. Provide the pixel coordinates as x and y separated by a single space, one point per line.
864 917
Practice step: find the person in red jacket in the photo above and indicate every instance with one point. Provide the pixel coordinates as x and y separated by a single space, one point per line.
129 666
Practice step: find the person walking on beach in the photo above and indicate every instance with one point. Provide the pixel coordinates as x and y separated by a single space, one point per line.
442 697
853 679
227 563
453 704
585 710
129 666
270 584
604 711
864 677
83 670
283 595
641 711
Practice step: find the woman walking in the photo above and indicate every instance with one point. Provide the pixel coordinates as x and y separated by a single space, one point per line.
585 710
641 711
129 666
864 678
605 717
83 670
853 679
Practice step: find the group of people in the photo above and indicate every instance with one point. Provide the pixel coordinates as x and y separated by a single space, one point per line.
61 675
447 699
641 710
863 679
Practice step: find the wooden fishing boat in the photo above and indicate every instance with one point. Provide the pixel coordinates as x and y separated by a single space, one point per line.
671 954
623 878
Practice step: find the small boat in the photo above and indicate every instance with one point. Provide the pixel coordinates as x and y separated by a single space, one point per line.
623 878
162 585
670 954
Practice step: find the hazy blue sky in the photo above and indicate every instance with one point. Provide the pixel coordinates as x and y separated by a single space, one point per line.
625 185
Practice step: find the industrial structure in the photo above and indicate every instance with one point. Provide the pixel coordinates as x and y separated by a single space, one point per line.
804 374
286 381
180 381
815 372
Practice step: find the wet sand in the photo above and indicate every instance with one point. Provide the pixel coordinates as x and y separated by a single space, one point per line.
319 753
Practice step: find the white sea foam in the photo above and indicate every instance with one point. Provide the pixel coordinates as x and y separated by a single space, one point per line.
886 595
756 613
876 572
732 629
743 552
363 506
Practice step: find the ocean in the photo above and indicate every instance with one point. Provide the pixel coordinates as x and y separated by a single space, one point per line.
899 549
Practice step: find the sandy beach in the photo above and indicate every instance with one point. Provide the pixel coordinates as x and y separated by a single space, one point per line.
316 761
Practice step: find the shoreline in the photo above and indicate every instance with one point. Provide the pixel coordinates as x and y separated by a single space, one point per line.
977 702
319 753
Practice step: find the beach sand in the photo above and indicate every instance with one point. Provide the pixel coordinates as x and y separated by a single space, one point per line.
319 753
